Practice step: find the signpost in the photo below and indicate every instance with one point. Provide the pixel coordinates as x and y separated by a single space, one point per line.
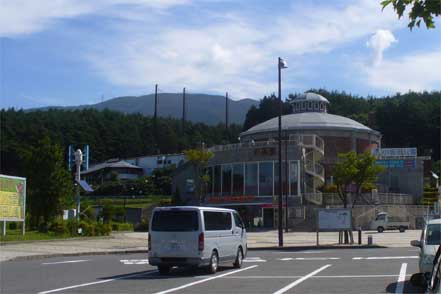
12 201
334 219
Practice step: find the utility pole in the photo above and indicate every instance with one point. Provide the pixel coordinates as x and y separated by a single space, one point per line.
78 162
280 64
226 110
286 182
155 116
183 111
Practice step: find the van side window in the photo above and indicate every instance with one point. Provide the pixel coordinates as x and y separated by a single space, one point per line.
217 221
238 221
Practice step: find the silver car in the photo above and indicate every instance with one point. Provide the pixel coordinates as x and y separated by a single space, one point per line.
428 244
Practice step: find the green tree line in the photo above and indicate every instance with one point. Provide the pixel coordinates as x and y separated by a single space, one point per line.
404 120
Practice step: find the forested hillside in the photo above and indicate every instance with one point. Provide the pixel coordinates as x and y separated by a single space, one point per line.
109 134
404 120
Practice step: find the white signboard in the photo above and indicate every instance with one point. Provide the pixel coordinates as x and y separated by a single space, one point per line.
394 152
334 219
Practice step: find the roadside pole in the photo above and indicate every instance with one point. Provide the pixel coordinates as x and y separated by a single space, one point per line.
4 229
78 162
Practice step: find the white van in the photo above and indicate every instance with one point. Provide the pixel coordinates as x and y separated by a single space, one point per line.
196 236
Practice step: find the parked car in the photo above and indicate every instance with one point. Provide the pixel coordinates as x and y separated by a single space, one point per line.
434 284
385 222
428 244
197 237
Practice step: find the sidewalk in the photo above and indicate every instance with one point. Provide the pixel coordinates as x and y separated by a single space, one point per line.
137 242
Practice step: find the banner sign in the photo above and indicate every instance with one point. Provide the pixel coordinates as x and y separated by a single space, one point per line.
223 199
397 163
334 219
394 152
12 198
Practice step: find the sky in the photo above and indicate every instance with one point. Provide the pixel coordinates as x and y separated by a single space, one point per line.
72 52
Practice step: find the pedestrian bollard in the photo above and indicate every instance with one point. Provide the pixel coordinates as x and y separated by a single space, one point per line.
369 239
359 235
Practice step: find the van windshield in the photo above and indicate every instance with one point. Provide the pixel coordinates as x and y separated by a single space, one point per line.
433 234
175 221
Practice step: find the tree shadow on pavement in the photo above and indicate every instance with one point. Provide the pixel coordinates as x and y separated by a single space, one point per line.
408 288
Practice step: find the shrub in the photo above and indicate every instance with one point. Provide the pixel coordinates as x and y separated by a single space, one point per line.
13 226
58 227
143 226
102 229
122 227
72 227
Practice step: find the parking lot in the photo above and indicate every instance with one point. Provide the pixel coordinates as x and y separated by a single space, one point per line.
385 270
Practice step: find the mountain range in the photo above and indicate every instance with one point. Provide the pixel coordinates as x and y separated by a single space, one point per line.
204 108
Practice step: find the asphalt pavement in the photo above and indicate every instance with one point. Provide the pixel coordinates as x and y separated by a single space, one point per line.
368 270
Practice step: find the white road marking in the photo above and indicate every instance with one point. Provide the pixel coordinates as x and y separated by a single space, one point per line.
205 280
285 259
401 278
253 259
97 282
300 252
316 258
385 257
314 277
134 261
296 282
66 261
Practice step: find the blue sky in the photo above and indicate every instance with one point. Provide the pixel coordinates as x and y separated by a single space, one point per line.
71 52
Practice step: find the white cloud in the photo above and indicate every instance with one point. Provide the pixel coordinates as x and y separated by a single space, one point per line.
379 42
415 72
18 17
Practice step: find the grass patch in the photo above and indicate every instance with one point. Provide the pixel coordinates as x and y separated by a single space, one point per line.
15 235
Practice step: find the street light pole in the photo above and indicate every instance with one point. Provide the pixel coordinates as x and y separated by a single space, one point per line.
280 64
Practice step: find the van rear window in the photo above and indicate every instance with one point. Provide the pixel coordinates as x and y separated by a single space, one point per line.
175 221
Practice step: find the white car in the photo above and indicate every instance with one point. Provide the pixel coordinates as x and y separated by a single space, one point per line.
196 236
428 244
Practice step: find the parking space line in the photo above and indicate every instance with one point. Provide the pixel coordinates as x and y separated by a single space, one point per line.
296 282
385 257
205 280
315 277
401 278
97 282
66 261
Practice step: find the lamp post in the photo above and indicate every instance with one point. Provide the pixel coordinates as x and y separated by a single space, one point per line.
280 64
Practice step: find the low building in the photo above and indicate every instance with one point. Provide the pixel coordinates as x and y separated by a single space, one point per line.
102 172
151 162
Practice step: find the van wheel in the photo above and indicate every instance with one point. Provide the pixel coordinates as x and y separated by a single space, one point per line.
163 269
380 229
402 229
239 258
214 262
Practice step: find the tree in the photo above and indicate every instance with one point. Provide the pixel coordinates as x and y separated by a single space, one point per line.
423 10
50 186
198 158
359 170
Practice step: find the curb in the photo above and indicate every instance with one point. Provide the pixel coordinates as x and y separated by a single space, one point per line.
313 247
41 256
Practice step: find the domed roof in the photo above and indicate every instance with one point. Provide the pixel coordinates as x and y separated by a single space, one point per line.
310 121
309 96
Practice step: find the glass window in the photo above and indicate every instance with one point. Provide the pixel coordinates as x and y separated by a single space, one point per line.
266 178
217 180
238 179
310 105
226 180
293 177
276 178
175 221
251 179
381 217
433 234
217 221
321 105
238 220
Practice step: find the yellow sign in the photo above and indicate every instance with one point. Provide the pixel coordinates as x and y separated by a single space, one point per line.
12 198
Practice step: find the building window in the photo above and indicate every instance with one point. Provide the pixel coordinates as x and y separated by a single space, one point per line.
226 180
276 178
303 105
266 178
321 106
209 186
217 180
238 178
310 106
293 178
251 179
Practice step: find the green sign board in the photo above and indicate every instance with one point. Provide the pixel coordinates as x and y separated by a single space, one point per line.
12 198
